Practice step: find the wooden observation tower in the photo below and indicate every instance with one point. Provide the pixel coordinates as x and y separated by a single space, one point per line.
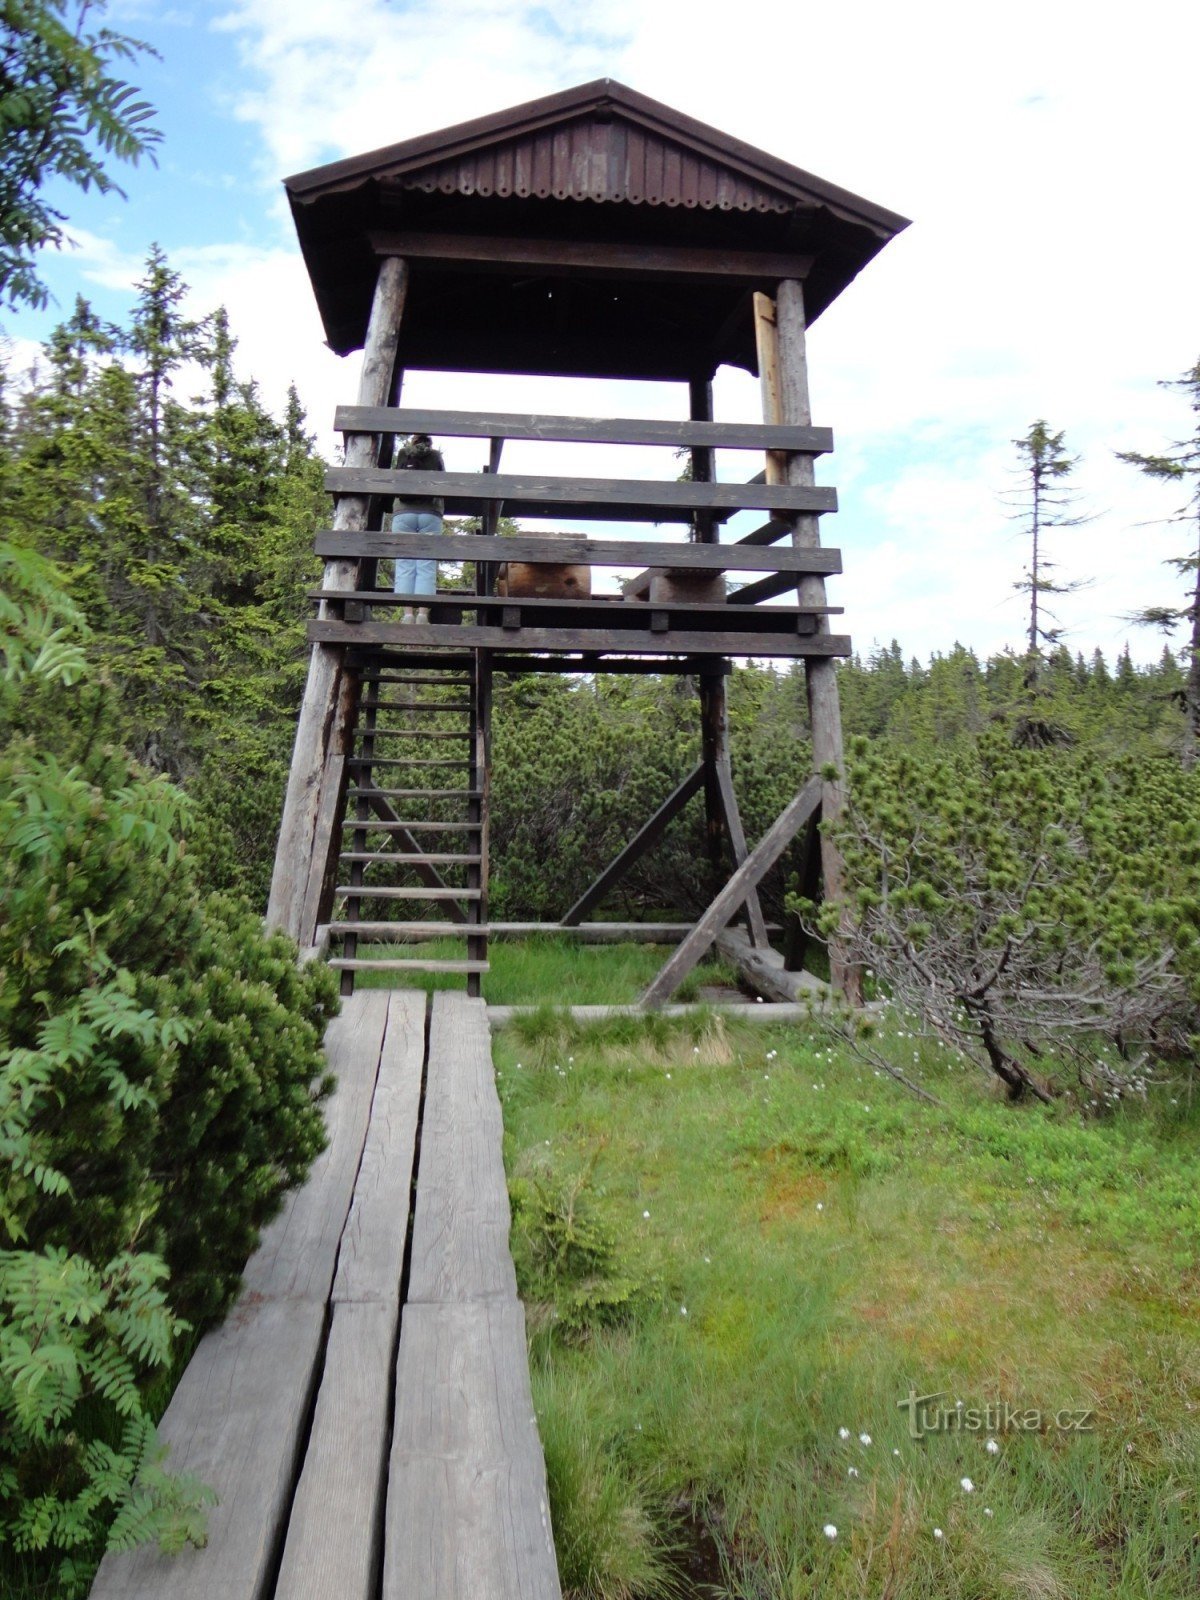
594 233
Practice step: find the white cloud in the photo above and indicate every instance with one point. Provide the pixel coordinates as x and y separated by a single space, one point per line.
1044 152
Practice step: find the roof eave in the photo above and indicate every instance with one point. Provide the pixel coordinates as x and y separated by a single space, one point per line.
444 144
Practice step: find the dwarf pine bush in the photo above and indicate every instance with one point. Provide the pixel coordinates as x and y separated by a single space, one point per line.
160 1071
1036 907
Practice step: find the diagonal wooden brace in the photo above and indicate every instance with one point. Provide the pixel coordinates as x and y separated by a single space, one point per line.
648 835
748 876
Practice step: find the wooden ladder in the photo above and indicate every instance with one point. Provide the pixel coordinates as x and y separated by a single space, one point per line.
414 855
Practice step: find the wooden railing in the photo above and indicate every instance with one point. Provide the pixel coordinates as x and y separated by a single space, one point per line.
583 430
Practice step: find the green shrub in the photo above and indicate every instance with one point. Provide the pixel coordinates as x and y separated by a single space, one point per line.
160 1072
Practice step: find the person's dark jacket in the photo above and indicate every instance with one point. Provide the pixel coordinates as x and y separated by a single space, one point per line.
419 457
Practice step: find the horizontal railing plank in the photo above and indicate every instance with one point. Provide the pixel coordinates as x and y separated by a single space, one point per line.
678 641
583 430
578 550
601 608
592 499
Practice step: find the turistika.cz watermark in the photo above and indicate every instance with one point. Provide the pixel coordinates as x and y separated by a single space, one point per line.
927 1413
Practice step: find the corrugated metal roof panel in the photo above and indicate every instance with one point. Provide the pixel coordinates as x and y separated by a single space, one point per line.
605 160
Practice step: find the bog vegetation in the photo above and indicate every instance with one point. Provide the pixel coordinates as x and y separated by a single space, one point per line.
1022 840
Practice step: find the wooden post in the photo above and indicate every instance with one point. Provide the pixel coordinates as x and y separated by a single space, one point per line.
477 810
781 334
320 731
721 816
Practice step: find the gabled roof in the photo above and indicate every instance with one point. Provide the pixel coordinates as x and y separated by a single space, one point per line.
627 158
602 104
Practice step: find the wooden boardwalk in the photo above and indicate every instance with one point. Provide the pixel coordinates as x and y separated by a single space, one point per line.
364 1412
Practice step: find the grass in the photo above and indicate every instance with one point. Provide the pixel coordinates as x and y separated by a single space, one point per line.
798 1244
524 971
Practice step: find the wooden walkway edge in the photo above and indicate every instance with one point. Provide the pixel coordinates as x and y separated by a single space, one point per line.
369 1436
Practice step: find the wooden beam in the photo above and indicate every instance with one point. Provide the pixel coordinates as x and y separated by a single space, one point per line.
755 920
748 876
679 641
786 331
327 825
647 835
317 724
592 499
577 550
765 971
606 608
581 430
664 666
769 533
566 258
768 588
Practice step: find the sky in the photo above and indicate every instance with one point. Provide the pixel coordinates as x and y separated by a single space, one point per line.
1045 153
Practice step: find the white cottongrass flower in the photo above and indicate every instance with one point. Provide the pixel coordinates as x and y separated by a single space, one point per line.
895 1452
829 1531
992 1448
864 1438
988 1512
843 1433
937 1533
820 1206
683 1311
646 1215
967 1485
852 1472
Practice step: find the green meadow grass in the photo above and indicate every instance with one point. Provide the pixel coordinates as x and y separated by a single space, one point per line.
528 970
798 1243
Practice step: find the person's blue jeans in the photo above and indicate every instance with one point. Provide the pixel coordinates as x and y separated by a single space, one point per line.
415 577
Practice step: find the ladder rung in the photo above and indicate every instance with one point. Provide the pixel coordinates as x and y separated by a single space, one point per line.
397 930
355 793
341 964
355 825
405 761
418 733
386 892
430 859
433 683
412 705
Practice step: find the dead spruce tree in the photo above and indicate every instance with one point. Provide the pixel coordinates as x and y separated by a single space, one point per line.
1180 464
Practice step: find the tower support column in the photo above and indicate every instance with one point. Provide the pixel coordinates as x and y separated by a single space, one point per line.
781 331
323 728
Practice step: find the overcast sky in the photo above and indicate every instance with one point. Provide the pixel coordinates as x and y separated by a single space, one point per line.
1046 154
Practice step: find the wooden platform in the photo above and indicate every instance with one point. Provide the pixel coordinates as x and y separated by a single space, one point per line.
367 1423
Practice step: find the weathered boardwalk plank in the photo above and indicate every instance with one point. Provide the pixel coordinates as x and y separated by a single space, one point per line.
334 1530
287 1409
460 1230
296 1258
335 1525
237 1418
468 1517
372 1249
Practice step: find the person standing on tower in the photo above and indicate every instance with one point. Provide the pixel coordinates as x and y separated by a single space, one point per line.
417 514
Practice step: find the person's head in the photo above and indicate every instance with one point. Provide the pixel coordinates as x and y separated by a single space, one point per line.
422 441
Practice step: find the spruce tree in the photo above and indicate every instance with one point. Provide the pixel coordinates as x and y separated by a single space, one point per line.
1179 464
1043 502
